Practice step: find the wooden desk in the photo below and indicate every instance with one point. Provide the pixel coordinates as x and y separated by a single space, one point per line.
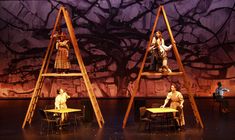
161 110
67 110
166 116
63 113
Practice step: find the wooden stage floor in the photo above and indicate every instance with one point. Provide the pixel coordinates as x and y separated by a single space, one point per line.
217 126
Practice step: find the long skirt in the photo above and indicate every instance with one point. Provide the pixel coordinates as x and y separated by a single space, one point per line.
61 60
179 114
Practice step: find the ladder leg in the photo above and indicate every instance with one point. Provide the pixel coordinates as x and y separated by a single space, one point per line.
91 93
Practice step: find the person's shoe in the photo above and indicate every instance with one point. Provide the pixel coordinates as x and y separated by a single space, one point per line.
169 70
226 110
181 128
150 68
223 110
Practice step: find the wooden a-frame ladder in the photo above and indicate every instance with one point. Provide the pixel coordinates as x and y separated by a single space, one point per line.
181 73
43 72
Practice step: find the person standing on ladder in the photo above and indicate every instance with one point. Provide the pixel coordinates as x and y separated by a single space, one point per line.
62 63
159 52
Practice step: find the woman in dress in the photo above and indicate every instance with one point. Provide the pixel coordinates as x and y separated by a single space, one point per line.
177 101
62 63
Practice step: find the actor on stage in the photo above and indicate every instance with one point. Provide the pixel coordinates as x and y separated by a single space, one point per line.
219 95
62 63
159 53
60 102
177 101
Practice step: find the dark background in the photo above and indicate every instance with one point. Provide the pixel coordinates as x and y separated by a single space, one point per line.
112 36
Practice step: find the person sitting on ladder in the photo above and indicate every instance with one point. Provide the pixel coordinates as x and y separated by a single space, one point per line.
159 51
62 63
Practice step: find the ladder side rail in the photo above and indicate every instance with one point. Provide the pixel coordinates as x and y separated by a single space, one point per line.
35 95
141 69
173 41
83 69
28 116
47 62
193 104
187 84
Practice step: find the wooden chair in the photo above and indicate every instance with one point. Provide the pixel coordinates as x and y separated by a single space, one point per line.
216 102
47 123
156 117
163 120
144 118
222 103
77 117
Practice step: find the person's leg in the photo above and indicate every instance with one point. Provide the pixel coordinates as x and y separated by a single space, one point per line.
164 64
153 61
225 104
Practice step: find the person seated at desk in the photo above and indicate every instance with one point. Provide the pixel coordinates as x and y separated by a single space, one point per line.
219 95
60 102
177 101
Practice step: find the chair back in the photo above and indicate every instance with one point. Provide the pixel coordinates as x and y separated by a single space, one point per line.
142 111
49 106
156 105
83 110
217 97
42 113
214 95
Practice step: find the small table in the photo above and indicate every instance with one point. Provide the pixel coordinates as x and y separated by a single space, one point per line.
166 111
63 111
67 110
161 110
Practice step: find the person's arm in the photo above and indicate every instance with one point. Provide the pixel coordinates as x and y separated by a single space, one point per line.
225 89
167 48
181 99
57 103
163 42
54 35
153 44
67 96
57 45
168 97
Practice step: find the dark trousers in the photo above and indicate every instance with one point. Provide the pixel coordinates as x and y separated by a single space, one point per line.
156 61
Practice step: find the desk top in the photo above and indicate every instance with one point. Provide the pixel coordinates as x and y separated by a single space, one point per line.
161 110
67 110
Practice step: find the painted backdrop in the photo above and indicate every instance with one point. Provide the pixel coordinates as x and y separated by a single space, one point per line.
112 36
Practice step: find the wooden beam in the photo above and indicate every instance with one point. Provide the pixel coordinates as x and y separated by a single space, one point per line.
160 74
38 86
61 74
141 69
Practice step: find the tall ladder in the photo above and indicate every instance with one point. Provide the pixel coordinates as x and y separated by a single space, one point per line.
43 72
180 73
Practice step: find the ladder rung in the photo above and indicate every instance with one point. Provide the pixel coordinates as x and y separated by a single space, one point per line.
62 74
160 74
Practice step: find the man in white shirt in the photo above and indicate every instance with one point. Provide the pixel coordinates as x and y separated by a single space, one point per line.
60 101
159 51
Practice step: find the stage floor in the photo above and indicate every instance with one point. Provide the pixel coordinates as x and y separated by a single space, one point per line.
217 126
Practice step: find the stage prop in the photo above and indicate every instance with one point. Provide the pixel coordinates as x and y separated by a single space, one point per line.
43 72
180 73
